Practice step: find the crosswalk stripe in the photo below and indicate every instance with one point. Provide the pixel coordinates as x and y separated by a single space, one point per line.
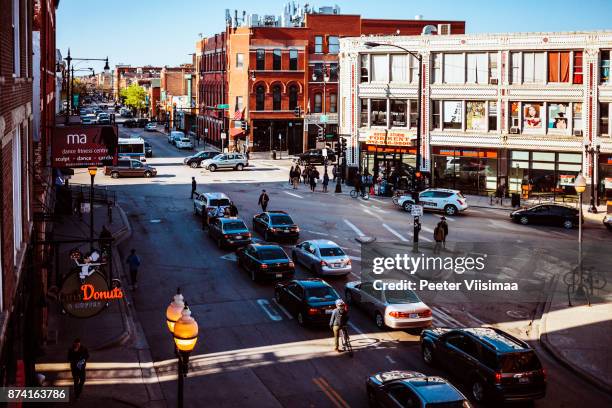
394 232
354 228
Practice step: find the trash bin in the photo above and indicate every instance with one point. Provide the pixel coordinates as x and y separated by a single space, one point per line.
273 154
516 200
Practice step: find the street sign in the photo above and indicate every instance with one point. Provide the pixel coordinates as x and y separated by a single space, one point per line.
223 106
324 152
417 210
223 135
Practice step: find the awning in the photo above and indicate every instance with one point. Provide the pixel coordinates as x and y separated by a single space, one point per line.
234 132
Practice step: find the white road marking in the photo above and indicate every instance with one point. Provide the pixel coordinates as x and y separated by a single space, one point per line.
317 233
230 257
389 359
282 308
355 258
394 232
426 228
265 306
377 200
354 228
293 194
378 217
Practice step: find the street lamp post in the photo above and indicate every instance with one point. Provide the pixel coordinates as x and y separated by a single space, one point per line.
593 153
69 59
580 186
417 170
92 172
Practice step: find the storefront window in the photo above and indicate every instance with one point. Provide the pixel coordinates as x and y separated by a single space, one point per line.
532 115
435 115
399 109
475 116
414 113
378 112
364 113
577 115
557 116
471 171
453 116
492 116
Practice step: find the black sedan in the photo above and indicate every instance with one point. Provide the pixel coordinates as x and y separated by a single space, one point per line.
547 214
312 301
265 261
412 389
276 225
196 160
229 232
315 156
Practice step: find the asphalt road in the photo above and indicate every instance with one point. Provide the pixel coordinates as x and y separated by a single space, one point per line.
251 352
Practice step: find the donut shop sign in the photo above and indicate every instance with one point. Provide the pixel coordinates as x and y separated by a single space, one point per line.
89 297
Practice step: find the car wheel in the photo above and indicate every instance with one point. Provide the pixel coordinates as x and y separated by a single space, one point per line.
568 224
478 390
450 210
348 296
300 319
212 167
253 276
193 165
148 174
379 320
114 175
407 206
240 167
428 355
524 220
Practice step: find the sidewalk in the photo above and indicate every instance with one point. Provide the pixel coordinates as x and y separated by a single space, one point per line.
119 364
579 337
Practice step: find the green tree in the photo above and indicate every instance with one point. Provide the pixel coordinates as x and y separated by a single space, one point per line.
134 96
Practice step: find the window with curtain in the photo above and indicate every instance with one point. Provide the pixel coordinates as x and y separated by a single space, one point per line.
578 68
558 66
363 112
414 69
399 68
378 112
515 63
276 59
453 114
437 68
454 69
365 67
604 66
261 59
276 97
399 112
477 68
577 115
293 97
533 67
333 44
333 103
318 44
293 60
380 69
260 97
318 103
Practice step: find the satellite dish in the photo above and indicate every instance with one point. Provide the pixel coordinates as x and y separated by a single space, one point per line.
429 30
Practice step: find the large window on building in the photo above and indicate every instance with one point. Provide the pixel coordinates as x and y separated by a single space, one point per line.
17 188
414 69
477 68
493 73
558 114
399 68
532 115
378 112
363 113
260 98
577 116
380 68
239 104
261 59
277 57
293 60
239 60
317 72
399 112
333 44
534 64
293 97
16 39
558 66
453 114
276 97
436 68
436 115
515 65
318 103
515 112
333 103
604 66
318 44
492 116
604 119
454 68
578 68
333 72
365 67
475 118
414 114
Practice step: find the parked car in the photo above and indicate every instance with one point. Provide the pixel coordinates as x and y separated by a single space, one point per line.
235 161
197 159
607 221
148 149
311 301
130 168
175 135
151 127
435 199
129 123
142 122
495 365
396 309
103 118
204 203
184 143
411 389
275 225
229 232
322 256
265 261
547 214
89 119
315 156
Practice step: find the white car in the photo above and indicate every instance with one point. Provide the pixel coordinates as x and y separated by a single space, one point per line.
451 202
174 136
323 257
184 143
151 127
235 161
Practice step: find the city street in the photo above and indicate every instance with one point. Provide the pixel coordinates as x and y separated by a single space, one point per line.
251 352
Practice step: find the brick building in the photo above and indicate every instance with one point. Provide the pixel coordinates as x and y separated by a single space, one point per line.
125 75
177 96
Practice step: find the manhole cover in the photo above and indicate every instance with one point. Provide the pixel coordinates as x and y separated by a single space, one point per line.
517 314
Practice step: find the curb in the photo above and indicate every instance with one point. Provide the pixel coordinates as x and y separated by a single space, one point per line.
552 350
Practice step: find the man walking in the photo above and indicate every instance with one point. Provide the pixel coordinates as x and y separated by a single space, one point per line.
194 185
77 357
134 262
263 200
339 319
444 227
233 210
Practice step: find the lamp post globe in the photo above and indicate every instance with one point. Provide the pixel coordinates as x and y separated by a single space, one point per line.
580 184
185 331
92 170
174 310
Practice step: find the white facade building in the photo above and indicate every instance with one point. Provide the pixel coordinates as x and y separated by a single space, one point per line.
499 111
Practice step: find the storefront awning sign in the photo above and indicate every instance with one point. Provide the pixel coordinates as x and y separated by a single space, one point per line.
89 297
390 138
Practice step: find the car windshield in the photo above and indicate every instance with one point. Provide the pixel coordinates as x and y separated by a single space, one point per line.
331 252
281 219
234 225
321 293
401 296
266 254
519 362
219 202
452 404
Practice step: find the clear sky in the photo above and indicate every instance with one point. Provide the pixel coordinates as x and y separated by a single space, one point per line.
157 32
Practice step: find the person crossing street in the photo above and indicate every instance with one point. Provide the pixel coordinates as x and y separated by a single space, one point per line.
134 262
338 321
194 186
263 200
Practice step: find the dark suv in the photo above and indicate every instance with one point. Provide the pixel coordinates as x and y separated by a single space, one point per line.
315 156
495 365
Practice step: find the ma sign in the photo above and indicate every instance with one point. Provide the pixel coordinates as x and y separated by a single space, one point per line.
84 146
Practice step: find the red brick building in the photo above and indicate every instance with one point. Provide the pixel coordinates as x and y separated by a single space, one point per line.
177 96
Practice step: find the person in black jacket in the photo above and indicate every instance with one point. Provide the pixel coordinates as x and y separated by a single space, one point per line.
263 200
77 357
194 185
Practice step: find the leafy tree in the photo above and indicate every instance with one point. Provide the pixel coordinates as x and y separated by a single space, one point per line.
134 96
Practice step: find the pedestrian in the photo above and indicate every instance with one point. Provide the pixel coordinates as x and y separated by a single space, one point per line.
444 226
305 174
358 181
194 185
263 200
439 236
296 176
313 179
233 210
134 262
335 172
105 239
339 319
77 357
291 174
325 181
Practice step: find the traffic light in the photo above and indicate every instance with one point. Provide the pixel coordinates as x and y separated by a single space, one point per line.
320 134
343 146
297 112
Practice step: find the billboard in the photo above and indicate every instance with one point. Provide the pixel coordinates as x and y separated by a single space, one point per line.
84 146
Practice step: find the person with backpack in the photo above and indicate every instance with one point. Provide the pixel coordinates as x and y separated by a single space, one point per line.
263 200
338 321
134 262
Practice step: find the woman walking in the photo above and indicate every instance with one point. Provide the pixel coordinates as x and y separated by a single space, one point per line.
296 176
325 181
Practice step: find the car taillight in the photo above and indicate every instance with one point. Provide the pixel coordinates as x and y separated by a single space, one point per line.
426 313
348 261
398 315
543 372
297 229
323 263
291 264
313 311
248 235
263 266
225 236
272 229
498 378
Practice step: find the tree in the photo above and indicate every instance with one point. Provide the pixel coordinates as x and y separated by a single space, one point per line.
134 96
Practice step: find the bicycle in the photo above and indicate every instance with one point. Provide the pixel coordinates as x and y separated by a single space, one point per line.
364 194
346 340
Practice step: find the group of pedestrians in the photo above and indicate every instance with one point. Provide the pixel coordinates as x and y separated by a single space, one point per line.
310 176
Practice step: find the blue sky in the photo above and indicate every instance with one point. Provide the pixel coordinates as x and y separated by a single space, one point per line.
157 32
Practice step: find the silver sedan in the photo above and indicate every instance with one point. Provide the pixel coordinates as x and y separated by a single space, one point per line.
322 257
